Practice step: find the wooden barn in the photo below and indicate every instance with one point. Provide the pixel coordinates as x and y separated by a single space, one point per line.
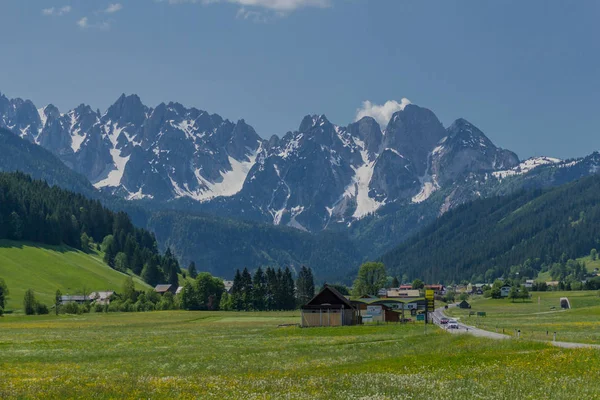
329 308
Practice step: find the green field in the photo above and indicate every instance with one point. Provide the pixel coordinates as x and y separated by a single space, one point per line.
580 324
47 268
217 355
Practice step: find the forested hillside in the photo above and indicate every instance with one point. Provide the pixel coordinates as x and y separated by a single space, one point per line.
220 246
20 155
31 210
525 232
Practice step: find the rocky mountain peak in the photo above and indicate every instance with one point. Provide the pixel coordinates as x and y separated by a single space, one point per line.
127 110
414 132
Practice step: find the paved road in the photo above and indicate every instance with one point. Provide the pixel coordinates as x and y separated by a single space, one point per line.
466 329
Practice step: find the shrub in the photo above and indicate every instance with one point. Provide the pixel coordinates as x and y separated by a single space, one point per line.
41 309
1 311
70 308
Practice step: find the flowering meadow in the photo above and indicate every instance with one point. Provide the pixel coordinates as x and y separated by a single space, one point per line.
540 317
216 355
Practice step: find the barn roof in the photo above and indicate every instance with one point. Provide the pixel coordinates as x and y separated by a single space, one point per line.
328 297
162 288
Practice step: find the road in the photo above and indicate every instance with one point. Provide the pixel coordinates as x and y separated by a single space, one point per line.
471 330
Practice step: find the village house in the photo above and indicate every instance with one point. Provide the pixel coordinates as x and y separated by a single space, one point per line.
102 298
164 288
79 299
437 289
464 305
329 308
228 285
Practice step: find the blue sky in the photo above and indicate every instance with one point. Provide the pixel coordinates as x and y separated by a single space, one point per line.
525 72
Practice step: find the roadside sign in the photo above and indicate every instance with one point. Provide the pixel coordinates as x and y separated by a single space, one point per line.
430 300
420 317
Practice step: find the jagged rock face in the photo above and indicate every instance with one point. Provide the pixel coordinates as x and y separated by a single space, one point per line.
394 177
136 151
318 176
465 150
414 132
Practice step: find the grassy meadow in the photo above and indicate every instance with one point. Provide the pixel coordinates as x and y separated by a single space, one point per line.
47 268
579 324
217 355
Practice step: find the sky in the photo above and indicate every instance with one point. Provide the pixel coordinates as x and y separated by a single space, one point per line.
527 73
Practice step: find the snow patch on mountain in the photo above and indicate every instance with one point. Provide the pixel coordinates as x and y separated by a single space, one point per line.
526 166
359 188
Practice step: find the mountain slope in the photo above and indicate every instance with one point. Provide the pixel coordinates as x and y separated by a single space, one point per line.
48 268
221 246
17 154
483 239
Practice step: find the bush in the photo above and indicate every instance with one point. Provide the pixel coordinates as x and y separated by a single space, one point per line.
1 311
70 308
41 309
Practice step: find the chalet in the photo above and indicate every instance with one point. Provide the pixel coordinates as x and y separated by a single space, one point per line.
463 304
529 283
162 289
228 285
329 308
405 287
505 290
79 299
102 298
437 289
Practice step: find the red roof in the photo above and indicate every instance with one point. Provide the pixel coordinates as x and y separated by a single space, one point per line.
405 287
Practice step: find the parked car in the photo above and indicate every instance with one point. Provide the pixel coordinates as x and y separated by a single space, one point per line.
453 324
444 321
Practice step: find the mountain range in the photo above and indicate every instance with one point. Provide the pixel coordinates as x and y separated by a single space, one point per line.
375 187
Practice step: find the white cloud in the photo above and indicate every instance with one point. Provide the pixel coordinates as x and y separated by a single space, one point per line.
83 23
381 113
283 6
254 16
113 8
56 11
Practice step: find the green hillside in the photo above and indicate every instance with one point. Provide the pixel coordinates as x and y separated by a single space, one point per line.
517 235
46 268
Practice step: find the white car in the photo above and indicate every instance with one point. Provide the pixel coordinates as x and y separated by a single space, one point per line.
452 324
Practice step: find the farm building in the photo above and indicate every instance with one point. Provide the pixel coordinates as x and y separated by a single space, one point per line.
329 308
162 289
464 304
101 297
505 290
79 299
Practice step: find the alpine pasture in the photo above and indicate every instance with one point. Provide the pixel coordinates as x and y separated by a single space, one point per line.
245 355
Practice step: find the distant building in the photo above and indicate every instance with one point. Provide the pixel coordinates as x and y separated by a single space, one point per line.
402 294
79 299
102 298
529 283
437 289
504 291
179 289
463 304
228 285
164 288
405 287
329 308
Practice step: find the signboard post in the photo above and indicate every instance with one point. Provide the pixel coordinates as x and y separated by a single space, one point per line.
430 303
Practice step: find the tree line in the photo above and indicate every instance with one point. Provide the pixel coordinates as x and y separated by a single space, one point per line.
491 238
31 210
269 289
